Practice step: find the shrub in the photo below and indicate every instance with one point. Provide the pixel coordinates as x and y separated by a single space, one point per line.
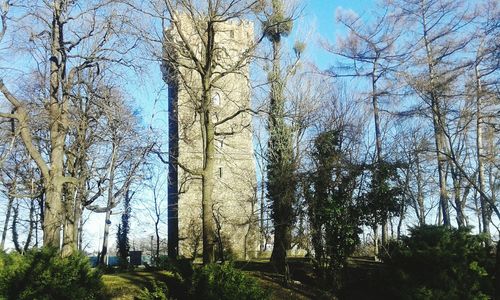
43 274
436 262
225 282
158 292
181 266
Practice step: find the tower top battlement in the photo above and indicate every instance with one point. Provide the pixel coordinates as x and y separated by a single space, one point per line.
236 36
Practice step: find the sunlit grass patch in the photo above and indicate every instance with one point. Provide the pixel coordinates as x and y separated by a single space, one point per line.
126 285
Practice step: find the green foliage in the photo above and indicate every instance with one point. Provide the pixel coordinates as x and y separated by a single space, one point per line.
384 197
436 262
158 292
181 266
224 282
333 214
42 274
122 242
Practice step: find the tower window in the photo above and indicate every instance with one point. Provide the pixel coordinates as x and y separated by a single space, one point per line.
231 34
216 99
220 172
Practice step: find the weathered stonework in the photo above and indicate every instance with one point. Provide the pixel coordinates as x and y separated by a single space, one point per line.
234 191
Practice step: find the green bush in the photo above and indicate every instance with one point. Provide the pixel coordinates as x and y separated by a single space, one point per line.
158 292
42 274
436 262
224 282
181 266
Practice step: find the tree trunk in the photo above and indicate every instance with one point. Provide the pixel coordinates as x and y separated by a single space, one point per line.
485 210
104 249
457 196
71 229
80 232
280 167
497 273
70 224
57 110
401 219
30 227
438 126
378 143
157 233
15 235
263 238
110 205
10 202
420 193
208 182
208 140
52 215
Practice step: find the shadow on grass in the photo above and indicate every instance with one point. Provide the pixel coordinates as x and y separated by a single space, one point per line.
301 273
364 279
126 285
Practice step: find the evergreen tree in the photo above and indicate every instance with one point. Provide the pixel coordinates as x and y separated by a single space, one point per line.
122 244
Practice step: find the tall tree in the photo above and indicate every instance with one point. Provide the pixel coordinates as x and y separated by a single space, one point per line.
374 55
127 153
484 81
75 37
435 63
333 212
281 182
156 208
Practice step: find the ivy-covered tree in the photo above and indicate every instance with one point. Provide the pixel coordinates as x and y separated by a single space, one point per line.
122 242
382 201
281 168
334 214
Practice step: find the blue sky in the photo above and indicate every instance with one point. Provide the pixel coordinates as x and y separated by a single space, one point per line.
319 15
317 22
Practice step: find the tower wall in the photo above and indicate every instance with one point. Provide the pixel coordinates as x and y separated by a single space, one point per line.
234 192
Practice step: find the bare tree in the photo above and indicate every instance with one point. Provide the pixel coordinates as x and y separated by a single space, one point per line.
157 186
435 63
484 79
374 55
414 151
56 28
121 135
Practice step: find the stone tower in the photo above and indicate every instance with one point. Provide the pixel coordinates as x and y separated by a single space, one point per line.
234 191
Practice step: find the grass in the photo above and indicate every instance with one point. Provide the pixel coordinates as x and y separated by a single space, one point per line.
300 271
359 285
125 285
